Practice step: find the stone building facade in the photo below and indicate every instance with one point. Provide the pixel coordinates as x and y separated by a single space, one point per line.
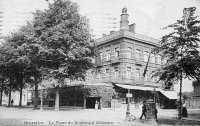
123 57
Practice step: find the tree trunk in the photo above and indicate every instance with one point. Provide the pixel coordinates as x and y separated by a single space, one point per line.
1 94
57 100
21 88
180 99
20 98
9 97
36 96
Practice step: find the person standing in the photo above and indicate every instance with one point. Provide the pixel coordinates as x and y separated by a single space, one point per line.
184 109
12 102
155 112
144 109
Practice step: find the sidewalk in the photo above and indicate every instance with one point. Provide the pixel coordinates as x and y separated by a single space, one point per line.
18 116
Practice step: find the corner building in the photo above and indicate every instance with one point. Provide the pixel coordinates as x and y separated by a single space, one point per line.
123 57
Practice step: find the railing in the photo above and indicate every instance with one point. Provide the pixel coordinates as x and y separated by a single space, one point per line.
141 37
109 37
126 34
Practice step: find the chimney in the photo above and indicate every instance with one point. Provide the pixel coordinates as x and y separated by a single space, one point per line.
124 20
132 28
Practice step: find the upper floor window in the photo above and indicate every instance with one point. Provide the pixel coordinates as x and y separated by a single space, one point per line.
99 74
152 58
92 72
101 56
129 52
158 59
137 53
108 72
146 76
164 61
128 72
117 52
107 55
137 73
116 72
146 56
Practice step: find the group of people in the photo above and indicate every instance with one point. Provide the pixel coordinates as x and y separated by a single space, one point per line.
152 110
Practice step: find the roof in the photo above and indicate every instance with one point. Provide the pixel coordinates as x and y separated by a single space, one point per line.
127 34
168 94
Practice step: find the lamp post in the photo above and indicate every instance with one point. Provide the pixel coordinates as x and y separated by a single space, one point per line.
41 107
128 95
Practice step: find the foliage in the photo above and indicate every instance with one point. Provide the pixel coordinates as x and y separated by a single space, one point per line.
63 40
187 95
180 49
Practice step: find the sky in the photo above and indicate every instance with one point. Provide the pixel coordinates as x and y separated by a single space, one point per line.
150 16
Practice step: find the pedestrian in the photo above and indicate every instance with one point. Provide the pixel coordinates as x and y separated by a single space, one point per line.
184 109
12 102
144 109
154 112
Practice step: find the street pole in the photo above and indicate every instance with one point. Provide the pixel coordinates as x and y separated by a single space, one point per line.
41 107
128 107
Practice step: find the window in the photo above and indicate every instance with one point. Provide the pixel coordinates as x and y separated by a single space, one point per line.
128 72
101 56
92 72
116 72
137 73
146 55
137 53
164 61
146 76
129 49
158 59
154 79
99 74
107 72
152 58
107 55
117 52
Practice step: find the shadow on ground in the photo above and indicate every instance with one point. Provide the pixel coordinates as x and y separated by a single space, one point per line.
164 121
49 108
170 122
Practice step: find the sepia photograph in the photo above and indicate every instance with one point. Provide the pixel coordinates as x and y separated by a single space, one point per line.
99 63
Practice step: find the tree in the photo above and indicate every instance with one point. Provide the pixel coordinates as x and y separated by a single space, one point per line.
180 49
62 39
14 62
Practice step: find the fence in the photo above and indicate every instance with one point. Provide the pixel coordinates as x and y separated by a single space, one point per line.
193 103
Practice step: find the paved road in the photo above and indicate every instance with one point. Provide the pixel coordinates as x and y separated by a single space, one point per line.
80 117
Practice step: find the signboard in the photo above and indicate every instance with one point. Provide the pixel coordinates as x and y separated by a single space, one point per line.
128 95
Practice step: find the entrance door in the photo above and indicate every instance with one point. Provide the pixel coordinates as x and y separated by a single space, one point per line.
90 102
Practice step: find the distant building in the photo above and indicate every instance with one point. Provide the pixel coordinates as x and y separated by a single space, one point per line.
120 65
194 102
123 57
196 89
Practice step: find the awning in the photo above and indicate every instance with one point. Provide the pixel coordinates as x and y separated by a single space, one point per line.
135 87
168 94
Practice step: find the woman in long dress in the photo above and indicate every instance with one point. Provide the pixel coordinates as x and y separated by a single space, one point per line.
184 110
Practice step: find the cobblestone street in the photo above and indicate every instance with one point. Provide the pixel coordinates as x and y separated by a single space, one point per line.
83 117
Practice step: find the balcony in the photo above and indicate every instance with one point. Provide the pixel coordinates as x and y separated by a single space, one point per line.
115 60
98 64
